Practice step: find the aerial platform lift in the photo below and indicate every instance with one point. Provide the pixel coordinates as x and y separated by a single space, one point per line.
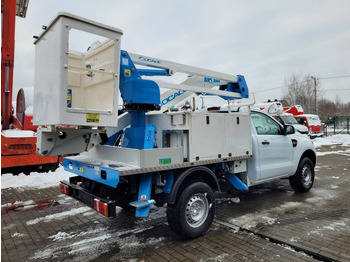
143 156
152 154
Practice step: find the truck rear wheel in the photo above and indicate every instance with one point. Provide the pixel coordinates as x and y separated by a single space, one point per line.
303 179
193 212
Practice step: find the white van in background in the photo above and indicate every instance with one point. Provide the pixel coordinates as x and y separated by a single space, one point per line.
276 110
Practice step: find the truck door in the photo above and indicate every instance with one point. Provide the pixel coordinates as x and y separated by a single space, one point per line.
274 149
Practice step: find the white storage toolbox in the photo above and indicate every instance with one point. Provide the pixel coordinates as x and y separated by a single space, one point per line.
205 136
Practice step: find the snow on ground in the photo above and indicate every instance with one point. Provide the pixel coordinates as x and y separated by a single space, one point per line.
266 217
270 216
91 243
19 203
77 234
18 235
341 139
216 258
34 180
339 226
335 140
333 152
58 216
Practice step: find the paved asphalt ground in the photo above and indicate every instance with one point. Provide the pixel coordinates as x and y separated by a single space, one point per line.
270 223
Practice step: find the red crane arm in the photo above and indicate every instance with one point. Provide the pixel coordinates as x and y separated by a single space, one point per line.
8 8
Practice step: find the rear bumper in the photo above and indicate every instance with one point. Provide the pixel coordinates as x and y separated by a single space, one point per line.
88 198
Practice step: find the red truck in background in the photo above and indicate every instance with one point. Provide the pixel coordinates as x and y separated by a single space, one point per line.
312 122
18 135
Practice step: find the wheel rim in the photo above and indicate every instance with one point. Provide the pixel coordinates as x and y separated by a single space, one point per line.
306 175
197 210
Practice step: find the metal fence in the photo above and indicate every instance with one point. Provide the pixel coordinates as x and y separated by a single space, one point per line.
337 125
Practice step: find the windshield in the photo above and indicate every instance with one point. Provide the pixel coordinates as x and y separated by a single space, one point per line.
314 120
289 120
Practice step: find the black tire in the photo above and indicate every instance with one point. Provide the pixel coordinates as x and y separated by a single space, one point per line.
303 179
193 212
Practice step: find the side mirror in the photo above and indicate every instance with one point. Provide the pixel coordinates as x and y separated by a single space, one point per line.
289 129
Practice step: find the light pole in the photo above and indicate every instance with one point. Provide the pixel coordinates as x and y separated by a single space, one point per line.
315 79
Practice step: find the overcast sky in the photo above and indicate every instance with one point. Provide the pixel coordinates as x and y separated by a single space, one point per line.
265 41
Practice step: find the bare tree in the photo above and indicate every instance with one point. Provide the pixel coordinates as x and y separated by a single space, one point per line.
327 108
300 90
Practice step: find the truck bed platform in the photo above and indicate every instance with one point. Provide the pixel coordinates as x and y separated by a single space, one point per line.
106 164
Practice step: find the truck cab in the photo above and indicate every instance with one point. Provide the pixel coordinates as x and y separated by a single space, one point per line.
313 124
278 149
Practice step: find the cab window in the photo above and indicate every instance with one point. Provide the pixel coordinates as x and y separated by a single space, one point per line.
265 125
301 121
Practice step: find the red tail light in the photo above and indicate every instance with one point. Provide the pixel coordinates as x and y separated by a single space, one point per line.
101 207
65 189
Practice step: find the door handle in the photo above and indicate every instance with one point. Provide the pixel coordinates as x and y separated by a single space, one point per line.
265 142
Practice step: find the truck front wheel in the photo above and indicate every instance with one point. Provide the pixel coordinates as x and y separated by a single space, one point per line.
303 179
193 212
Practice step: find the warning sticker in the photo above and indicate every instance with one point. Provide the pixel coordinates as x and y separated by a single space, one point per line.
127 72
69 98
92 118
